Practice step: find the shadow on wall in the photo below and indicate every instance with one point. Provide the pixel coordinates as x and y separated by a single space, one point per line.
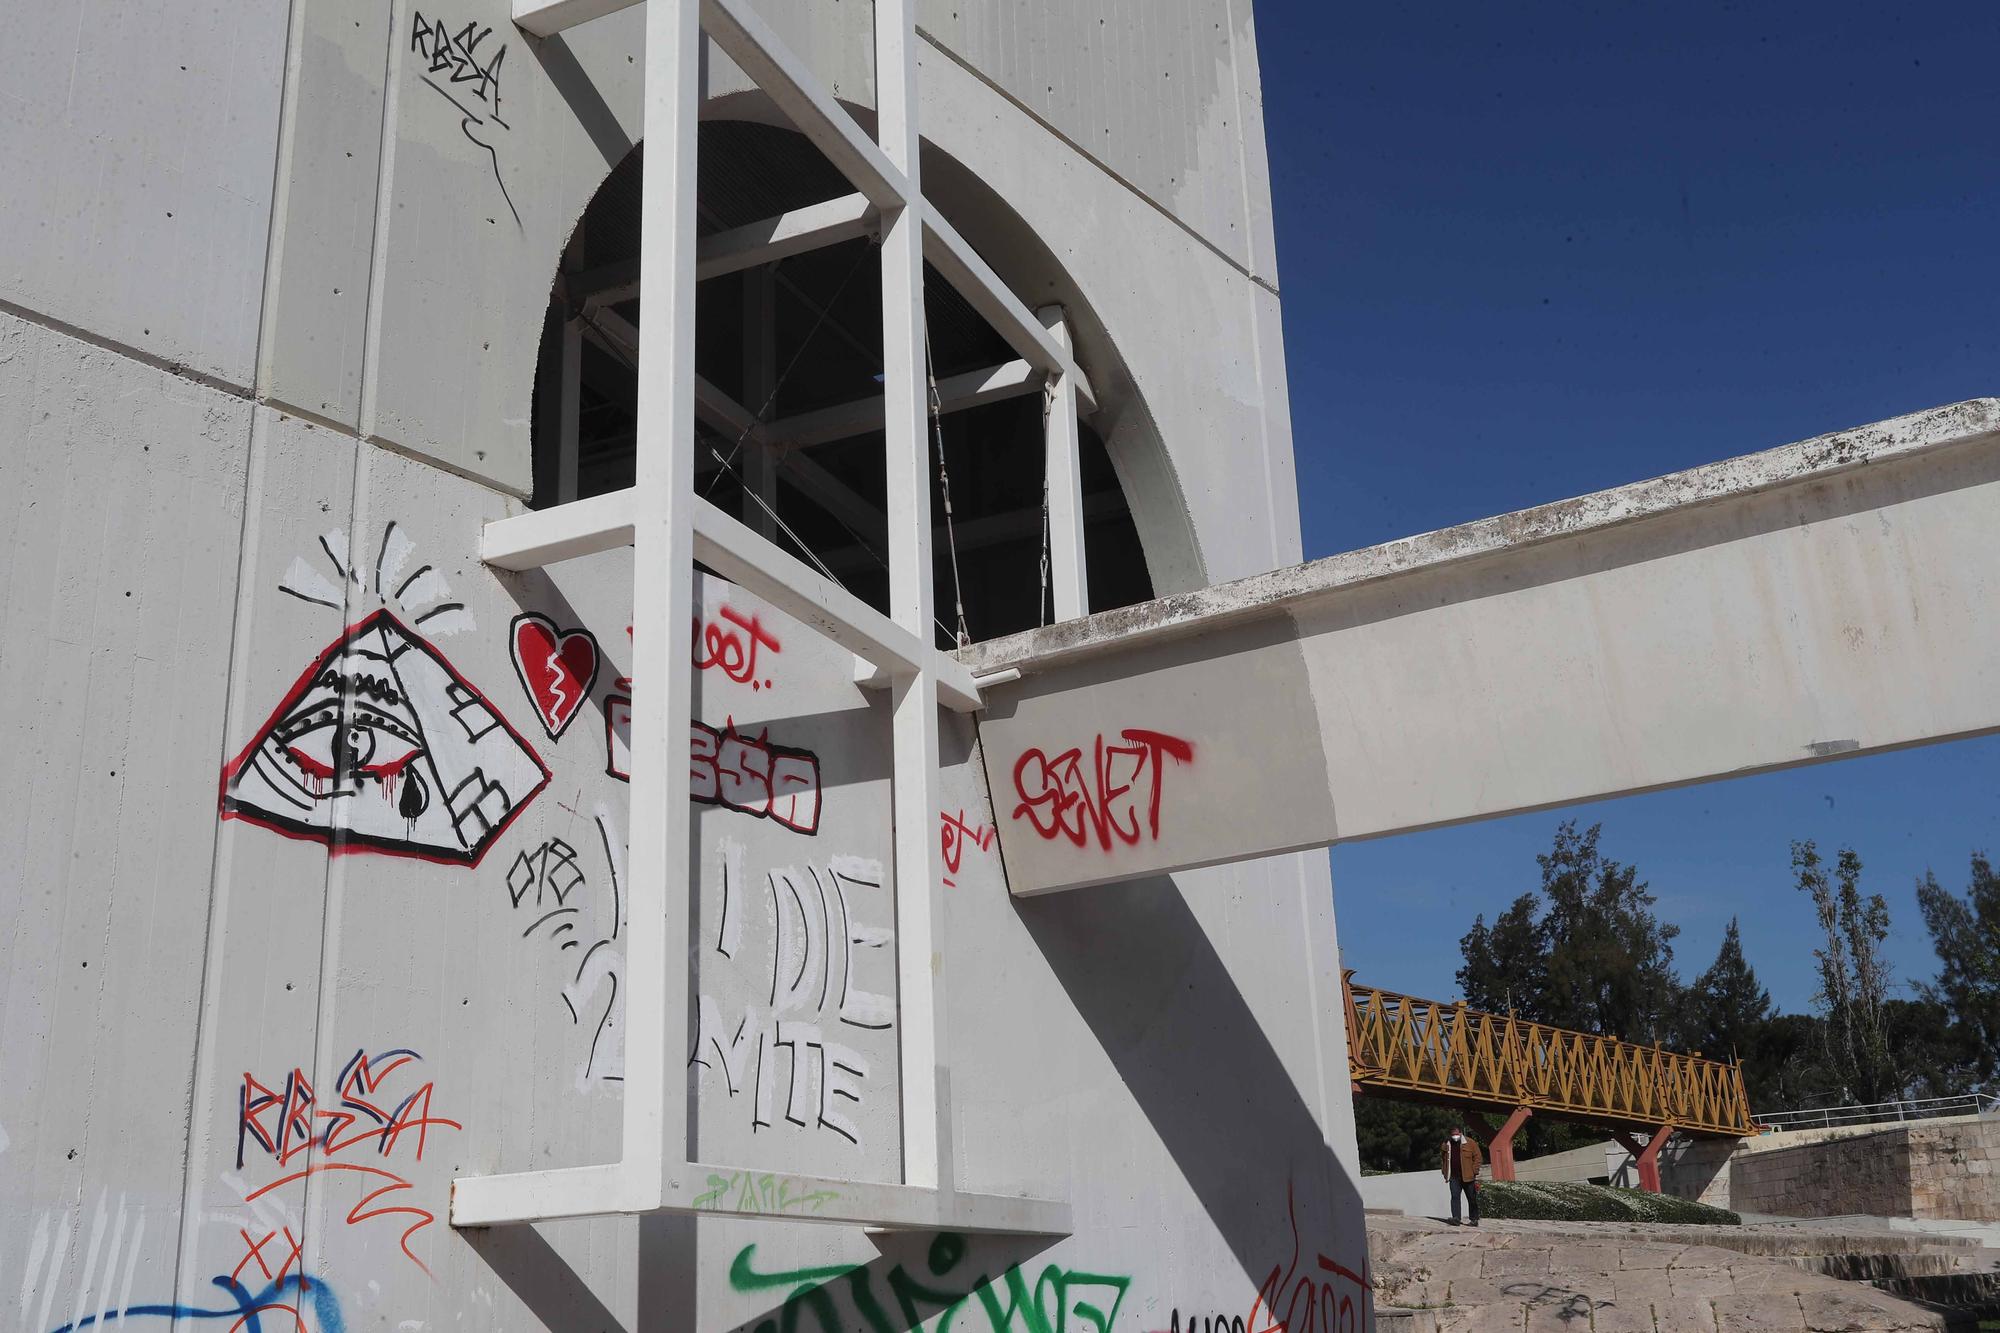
1163 1006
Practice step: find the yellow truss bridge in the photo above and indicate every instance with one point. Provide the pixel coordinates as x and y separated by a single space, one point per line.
1479 1063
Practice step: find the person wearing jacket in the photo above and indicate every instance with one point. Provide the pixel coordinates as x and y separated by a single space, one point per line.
1461 1163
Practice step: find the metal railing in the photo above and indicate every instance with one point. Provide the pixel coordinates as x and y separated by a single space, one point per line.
1467 1057
1926 1108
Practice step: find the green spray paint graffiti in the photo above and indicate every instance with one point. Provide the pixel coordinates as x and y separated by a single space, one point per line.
762 1192
1060 1301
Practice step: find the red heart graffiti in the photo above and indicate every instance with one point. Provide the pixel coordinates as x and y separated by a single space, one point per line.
556 667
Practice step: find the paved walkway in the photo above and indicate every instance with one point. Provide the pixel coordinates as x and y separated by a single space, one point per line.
1615 1277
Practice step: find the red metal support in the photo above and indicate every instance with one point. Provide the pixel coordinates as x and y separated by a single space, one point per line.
1647 1157
1500 1142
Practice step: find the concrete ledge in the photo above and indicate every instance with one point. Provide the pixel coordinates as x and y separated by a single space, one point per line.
1820 458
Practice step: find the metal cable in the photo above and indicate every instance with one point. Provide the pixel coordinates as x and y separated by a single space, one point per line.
964 636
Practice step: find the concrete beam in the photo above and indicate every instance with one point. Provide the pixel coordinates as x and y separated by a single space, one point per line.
1826 598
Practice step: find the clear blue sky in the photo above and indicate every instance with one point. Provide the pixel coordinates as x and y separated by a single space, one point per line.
1533 250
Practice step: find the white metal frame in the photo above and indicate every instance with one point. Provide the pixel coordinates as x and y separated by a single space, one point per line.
669 528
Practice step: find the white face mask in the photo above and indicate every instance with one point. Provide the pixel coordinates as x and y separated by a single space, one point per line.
1457 1138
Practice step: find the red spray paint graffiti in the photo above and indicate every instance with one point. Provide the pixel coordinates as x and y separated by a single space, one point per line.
1327 1297
716 645
287 1121
1061 799
557 667
955 833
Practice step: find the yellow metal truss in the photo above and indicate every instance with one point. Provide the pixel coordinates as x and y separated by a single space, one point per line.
1431 1051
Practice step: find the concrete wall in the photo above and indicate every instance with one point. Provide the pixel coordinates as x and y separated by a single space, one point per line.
1927 1170
272 282
1778 609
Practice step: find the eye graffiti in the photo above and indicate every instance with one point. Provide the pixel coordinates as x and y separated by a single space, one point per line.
382 746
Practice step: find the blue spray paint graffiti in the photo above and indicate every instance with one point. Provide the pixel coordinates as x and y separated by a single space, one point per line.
249 1309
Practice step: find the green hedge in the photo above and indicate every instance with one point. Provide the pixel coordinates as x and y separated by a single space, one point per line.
1562 1201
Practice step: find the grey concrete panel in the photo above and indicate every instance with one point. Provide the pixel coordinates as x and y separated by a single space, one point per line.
123 494
1804 623
495 144
1149 91
1821 599
138 144
1186 363
322 238
1192 753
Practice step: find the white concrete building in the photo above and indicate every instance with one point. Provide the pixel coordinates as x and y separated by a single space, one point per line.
319 890
368 956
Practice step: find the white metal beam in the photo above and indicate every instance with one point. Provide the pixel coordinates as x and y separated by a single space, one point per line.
956 393
655 1138
549 536
545 18
1062 464
915 794
759 52
765 241
606 522
701 1188
740 555
953 256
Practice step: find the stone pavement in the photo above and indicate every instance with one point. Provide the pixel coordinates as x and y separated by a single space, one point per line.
1613 1277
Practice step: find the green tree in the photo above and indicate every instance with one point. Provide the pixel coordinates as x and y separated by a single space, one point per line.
1853 976
1965 932
1586 952
1725 1010
1399 1136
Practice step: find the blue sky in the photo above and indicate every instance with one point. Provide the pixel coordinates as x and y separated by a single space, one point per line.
1529 251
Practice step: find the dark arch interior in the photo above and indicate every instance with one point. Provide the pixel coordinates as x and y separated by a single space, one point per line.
804 334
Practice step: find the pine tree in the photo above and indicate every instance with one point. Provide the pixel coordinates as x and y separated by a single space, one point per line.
1725 1010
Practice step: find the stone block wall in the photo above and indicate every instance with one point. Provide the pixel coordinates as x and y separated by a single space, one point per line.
1942 1171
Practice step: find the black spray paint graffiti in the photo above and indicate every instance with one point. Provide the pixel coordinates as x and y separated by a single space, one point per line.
381 745
459 74
547 887
819 946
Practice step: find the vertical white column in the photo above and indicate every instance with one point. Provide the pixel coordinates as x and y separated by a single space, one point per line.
1062 457
656 1128
760 377
918 874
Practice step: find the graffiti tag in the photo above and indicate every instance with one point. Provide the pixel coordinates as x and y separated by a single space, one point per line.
1060 798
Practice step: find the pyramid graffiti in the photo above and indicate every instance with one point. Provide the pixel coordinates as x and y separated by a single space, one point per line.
382 746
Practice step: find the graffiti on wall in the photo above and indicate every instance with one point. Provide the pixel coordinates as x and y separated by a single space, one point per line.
750 775
764 1193
1117 796
353 1138
357 1139
840 1297
783 1054
1320 1294
955 835
556 668
730 644
454 67
546 886
295 1303
381 745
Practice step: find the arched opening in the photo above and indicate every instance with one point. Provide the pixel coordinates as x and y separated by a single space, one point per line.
790 356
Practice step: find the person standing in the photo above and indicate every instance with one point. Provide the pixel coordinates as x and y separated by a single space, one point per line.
1462 1160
